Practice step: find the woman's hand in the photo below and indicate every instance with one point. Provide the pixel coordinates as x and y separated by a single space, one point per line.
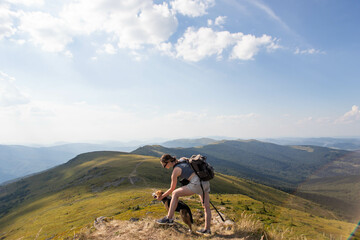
160 197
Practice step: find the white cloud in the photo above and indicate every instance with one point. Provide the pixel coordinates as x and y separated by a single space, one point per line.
7 16
308 51
46 31
154 25
166 49
220 20
185 116
305 120
237 117
27 2
137 56
350 117
204 42
68 54
324 120
10 95
46 122
132 23
107 48
18 41
249 46
192 8
195 45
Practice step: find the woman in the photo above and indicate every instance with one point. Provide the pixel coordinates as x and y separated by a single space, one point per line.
183 171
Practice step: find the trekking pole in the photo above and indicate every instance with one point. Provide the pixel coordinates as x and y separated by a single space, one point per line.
217 211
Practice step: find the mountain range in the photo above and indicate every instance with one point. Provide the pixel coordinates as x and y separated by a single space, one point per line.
18 161
326 176
62 202
350 144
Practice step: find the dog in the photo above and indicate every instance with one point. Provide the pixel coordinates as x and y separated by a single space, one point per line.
182 208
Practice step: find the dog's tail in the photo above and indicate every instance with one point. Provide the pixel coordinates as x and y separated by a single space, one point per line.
191 217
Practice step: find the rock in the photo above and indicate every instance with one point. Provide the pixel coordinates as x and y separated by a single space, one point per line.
229 224
100 221
134 219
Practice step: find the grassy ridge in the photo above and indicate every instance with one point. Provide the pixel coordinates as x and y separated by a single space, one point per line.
275 165
66 199
319 174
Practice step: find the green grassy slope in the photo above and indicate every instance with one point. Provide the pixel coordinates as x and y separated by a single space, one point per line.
65 199
341 192
321 172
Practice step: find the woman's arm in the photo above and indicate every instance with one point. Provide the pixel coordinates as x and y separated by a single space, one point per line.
176 172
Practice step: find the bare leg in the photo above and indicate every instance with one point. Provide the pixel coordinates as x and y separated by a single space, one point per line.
206 206
183 191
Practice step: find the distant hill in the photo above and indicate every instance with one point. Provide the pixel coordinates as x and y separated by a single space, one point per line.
63 201
350 144
19 161
272 164
186 143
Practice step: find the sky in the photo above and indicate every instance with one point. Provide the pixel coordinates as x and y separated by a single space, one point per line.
101 70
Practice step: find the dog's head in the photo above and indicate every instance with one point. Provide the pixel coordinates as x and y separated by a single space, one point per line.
157 194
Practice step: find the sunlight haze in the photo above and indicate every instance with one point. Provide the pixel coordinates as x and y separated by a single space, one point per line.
78 71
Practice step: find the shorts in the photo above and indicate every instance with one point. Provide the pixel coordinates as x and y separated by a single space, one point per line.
195 187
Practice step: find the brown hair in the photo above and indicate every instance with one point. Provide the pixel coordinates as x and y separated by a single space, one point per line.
167 158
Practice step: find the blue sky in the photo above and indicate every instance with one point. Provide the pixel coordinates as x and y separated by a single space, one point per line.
87 71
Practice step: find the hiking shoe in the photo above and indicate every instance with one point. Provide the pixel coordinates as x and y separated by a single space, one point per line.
204 232
165 221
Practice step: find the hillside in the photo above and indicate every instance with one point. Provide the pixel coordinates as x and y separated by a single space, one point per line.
275 165
66 199
284 167
340 192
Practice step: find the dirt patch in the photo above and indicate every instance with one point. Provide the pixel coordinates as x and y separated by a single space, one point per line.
114 183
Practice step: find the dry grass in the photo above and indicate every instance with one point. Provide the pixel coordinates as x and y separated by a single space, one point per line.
246 229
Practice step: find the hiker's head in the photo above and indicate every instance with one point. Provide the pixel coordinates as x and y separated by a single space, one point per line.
167 160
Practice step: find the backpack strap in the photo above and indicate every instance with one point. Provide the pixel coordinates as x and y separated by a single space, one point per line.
196 170
176 164
184 160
